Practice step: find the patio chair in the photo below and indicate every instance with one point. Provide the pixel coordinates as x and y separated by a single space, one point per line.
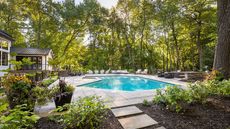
125 71
96 71
90 72
102 71
138 71
107 71
160 74
114 71
145 71
168 75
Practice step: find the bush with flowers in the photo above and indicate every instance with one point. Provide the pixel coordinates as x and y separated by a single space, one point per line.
19 90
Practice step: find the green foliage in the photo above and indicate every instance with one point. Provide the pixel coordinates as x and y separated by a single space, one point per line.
118 38
18 118
27 61
18 90
86 113
223 88
175 98
146 103
49 81
17 65
215 75
3 105
1 91
41 94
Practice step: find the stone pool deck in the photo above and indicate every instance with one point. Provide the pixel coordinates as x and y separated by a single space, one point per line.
112 98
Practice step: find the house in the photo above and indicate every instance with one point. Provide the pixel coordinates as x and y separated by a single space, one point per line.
5 44
39 56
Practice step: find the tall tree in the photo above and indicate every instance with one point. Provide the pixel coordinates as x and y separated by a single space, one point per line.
222 55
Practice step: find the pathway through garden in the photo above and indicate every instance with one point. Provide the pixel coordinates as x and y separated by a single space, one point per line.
131 117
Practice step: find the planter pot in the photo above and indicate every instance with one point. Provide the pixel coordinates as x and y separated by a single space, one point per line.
62 99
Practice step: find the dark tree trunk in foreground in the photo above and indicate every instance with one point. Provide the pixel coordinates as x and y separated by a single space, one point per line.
222 54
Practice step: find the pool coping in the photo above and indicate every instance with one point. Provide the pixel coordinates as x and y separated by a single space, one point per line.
170 81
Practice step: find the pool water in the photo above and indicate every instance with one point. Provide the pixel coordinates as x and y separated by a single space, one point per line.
127 83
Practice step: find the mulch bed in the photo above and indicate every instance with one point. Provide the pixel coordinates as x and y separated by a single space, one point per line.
110 122
213 115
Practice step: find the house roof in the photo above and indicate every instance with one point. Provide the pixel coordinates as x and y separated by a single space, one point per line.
5 35
30 51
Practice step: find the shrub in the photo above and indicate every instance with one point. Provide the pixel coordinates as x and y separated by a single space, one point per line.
49 81
223 88
199 91
19 91
86 113
146 103
3 106
41 94
18 118
215 75
172 97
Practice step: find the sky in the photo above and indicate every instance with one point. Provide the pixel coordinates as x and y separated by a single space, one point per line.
104 3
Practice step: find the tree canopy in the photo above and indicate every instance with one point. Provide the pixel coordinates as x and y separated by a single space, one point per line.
135 34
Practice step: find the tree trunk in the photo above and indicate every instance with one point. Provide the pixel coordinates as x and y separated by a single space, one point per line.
176 46
200 52
198 42
222 53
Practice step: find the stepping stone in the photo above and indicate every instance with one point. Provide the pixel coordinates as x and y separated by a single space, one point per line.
126 111
160 127
127 102
136 122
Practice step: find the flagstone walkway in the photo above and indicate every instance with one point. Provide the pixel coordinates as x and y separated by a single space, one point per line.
131 117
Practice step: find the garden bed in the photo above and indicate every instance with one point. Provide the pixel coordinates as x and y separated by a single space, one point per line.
110 122
213 115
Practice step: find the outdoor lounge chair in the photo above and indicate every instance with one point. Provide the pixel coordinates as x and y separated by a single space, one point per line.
160 74
168 75
138 71
113 71
145 71
125 71
90 72
122 72
102 71
96 71
107 71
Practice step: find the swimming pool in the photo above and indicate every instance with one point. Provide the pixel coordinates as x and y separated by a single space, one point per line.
127 83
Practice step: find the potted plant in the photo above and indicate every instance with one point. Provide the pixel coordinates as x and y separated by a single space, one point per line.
62 93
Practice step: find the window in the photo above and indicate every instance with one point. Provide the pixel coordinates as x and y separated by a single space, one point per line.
4 58
36 59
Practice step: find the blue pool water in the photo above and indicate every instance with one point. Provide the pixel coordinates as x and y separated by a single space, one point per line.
127 83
